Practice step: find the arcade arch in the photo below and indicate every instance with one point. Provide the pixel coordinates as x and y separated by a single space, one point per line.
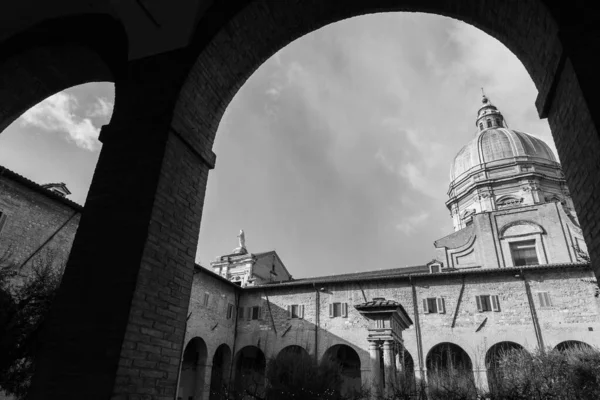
493 361
250 365
193 365
447 364
221 368
570 345
565 80
348 361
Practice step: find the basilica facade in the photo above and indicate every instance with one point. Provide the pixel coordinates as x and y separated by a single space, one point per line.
513 274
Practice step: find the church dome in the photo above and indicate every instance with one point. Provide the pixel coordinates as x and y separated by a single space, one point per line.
495 142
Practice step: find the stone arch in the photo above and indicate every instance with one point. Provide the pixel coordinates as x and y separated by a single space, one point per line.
493 358
520 228
289 371
221 368
193 369
447 363
48 58
260 29
293 350
348 360
569 345
250 365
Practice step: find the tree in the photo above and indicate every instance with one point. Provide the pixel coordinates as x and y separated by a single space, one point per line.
24 303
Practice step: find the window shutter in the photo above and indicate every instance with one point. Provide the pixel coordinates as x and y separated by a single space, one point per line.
344 310
331 310
541 299
547 298
479 305
289 311
301 311
261 312
2 220
425 306
495 303
441 306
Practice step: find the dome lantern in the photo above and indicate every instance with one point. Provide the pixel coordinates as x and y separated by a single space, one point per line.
488 116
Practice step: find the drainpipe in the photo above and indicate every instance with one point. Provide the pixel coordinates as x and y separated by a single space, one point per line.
417 328
536 324
235 326
317 322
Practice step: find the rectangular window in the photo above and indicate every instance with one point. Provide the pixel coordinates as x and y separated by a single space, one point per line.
295 311
229 311
338 310
544 298
432 305
435 268
205 301
255 312
487 302
524 253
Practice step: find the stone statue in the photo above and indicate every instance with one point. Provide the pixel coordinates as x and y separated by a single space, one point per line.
242 239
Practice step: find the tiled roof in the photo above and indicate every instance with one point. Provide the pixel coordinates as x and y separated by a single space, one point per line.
377 303
38 188
403 273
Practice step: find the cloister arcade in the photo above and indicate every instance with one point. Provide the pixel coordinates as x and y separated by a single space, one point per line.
171 92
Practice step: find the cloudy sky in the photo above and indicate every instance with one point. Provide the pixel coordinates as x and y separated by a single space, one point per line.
335 153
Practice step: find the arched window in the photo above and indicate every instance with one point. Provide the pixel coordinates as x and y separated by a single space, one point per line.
481 125
489 123
498 121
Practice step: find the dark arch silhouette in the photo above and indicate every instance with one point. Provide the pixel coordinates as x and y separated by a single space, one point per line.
48 58
493 362
296 351
569 345
447 364
261 29
448 356
348 360
250 365
221 367
193 364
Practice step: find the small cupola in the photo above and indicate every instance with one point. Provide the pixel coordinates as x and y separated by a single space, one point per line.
488 116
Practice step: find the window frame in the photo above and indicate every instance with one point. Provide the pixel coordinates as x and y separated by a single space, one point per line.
229 311
429 303
533 246
544 299
3 218
343 309
206 299
487 303
298 313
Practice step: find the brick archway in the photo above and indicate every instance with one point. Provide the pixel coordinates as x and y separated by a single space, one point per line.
152 173
56 55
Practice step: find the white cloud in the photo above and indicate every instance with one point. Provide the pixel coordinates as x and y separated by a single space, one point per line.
409 224
57 114
102 108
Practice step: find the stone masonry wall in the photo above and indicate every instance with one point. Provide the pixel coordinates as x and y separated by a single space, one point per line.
31 219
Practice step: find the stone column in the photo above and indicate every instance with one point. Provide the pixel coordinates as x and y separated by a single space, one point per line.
388 365
203 382
117 324
480 375
376 381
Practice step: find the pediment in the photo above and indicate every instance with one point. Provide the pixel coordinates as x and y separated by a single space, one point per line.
521 228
